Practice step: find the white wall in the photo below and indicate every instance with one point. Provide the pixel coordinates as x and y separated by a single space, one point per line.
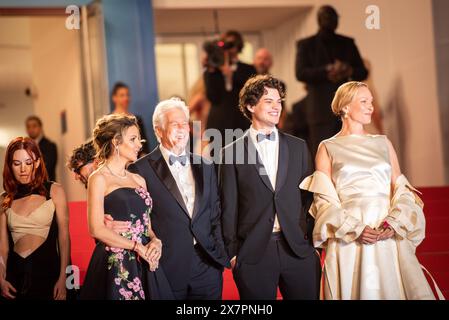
15 77
42 54
56 65
441 35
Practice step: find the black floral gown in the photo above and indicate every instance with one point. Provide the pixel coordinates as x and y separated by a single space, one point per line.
118 274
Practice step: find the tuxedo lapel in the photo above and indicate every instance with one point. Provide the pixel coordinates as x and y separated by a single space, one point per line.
282 162
197 171
159 165
255 161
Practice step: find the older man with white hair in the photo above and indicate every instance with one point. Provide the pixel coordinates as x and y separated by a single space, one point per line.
186 207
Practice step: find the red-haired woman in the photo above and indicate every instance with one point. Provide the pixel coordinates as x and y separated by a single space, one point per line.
34 227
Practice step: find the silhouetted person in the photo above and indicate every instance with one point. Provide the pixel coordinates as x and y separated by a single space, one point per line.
325 61
48 148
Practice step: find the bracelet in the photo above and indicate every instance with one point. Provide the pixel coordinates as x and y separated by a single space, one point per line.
134 246
386 225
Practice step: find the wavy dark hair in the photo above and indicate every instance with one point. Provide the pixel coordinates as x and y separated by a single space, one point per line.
81 155
10 184
108 128
255 88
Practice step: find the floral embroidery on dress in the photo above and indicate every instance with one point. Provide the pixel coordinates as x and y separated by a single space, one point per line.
138 231
145 195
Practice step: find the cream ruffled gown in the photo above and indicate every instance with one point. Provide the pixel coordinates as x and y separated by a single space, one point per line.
359 195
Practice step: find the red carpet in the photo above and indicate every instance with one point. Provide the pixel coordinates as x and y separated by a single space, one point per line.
81 242
433 253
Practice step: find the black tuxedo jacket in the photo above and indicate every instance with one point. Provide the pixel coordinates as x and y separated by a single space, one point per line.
249 202
50 154
170 219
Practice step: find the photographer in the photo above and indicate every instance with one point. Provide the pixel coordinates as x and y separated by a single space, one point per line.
224 77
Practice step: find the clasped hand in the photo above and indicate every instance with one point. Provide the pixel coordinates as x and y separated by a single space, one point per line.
151 252
339 71
371 236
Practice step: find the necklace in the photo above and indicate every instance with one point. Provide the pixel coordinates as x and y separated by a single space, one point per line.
116 175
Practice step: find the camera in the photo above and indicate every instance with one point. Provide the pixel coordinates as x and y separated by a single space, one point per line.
215 50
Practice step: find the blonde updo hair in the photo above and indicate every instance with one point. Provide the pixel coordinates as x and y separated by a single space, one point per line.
344 96
108 128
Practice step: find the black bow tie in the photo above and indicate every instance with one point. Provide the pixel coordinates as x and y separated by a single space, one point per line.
261 137
172 159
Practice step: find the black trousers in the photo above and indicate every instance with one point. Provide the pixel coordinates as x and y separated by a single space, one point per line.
206 279
297 278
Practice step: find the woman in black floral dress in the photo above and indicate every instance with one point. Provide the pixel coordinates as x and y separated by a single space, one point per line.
123 266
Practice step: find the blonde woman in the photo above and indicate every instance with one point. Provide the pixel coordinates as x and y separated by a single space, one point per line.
368 217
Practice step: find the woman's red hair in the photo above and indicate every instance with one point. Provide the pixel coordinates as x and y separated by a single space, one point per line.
10 184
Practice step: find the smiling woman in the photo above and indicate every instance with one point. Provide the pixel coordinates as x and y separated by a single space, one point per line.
34 235
124 265
368 217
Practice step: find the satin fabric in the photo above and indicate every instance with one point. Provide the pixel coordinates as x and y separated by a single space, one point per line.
358 194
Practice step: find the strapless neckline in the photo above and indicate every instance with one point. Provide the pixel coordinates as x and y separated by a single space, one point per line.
123 188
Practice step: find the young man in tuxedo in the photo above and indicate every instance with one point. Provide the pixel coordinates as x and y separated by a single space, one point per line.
265 224
186 207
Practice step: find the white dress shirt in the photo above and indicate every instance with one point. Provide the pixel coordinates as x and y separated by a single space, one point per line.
183 176
268 152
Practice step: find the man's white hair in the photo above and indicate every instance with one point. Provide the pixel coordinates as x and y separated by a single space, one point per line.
162 108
